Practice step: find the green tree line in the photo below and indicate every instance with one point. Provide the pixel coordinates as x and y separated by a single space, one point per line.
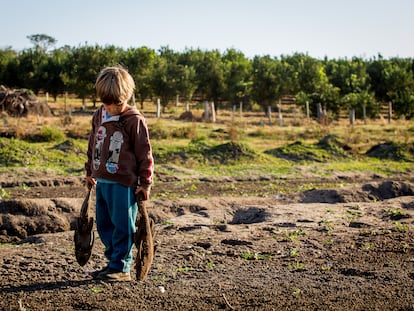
227 78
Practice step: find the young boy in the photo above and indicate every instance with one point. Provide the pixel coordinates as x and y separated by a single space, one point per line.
120 165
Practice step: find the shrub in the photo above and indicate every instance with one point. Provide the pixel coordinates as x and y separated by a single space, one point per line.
51 134
158 131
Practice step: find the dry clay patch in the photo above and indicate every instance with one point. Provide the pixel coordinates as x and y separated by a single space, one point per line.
263 228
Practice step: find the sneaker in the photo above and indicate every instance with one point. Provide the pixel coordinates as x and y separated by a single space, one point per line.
114 275
96 273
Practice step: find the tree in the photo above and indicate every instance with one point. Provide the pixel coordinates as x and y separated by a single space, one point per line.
393 80
186 85
164 77
87 61
140 63
210 76
266 81
29 72
8 64
353 83
400 87
237 73
174 75
52 71
310 81
188 80
42 42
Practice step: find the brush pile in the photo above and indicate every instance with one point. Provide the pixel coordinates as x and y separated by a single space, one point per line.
21 103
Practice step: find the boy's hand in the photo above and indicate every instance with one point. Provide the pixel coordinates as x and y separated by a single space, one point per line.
90 182
145 192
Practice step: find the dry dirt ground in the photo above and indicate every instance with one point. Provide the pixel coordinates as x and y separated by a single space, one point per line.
348 248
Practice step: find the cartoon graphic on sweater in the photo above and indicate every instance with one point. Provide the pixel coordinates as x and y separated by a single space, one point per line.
100 138
114 150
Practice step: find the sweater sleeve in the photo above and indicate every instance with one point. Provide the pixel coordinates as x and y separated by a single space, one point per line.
143 152
88 162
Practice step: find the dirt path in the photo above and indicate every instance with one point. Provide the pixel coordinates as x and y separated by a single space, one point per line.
332 249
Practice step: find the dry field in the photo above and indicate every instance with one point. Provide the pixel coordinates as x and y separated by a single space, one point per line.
348 248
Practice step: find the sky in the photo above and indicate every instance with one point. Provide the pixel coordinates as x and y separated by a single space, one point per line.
320 28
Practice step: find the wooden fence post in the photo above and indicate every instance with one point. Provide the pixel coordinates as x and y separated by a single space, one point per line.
364 113
319 112
279 109
213 112
158 108
269 114
389 112
241 109
66 99
206 112
352 116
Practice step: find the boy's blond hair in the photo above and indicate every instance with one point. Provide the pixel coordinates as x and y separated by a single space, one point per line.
114 85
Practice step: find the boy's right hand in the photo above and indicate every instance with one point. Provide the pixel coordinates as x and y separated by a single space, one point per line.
144 191
90 182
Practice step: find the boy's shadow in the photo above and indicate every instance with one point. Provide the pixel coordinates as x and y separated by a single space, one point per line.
46 286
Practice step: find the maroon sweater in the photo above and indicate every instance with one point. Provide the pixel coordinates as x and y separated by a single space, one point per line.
119 149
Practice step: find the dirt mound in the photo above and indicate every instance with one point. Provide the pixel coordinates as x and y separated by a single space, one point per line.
330 146
23 218
228 152
371 192
43 181
250 215
388 190
188 116
21 103
392 151
334 145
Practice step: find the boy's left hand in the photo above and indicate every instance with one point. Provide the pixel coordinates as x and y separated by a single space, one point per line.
145 192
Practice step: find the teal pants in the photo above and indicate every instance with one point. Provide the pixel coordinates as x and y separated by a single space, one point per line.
116 211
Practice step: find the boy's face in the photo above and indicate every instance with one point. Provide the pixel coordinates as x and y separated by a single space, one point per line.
114 110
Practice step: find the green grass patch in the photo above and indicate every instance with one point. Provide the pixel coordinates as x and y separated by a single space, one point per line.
15 153
329 147
364 164
203 152
189 150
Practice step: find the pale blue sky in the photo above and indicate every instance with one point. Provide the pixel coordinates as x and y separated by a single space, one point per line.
332 28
